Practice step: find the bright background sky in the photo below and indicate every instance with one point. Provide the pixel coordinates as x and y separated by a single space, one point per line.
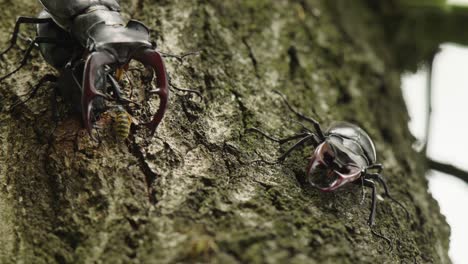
448 140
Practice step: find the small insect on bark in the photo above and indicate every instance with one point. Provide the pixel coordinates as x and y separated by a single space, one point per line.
89 44
122 123
343 154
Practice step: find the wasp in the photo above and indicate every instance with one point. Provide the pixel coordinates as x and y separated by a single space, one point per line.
122 122
89 44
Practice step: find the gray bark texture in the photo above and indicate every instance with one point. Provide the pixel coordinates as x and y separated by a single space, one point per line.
191 194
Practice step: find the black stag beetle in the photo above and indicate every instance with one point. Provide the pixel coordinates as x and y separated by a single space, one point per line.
344 153
90 37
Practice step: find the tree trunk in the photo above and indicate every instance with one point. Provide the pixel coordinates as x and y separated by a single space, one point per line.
191 193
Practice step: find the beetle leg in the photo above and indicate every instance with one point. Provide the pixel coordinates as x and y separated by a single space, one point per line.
19 21
371 220
316 125
118 91
381 180
37 40
171 85
371 185
116 88
32 93
363 191
149 57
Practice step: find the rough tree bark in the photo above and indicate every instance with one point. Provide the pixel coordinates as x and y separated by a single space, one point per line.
190 194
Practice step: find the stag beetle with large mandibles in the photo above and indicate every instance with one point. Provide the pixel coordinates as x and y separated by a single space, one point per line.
89 44
344 153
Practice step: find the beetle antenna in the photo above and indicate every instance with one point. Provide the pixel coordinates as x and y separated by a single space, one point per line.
180 57
300 115
297 145
278 140
304 127
371 220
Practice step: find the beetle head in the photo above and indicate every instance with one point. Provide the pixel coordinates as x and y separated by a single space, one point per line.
330 167
120 41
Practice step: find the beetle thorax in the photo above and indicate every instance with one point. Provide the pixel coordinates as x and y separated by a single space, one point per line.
84 24
347 151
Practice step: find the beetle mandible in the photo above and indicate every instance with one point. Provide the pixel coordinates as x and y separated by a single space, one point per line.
343 154
88 43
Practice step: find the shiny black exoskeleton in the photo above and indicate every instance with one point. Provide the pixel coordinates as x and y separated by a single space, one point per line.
344 153
88 42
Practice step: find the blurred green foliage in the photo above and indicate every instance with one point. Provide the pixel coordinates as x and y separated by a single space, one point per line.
415 29
437 4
